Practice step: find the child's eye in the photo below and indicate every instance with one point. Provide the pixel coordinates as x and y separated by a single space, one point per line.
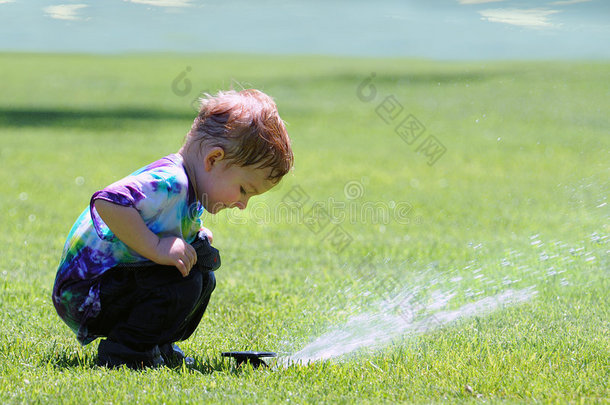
241 189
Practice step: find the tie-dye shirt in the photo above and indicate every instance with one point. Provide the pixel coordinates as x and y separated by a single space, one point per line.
162 194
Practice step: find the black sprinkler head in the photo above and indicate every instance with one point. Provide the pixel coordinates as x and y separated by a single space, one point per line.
254 358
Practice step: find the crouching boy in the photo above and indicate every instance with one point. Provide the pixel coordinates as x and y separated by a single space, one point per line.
138 267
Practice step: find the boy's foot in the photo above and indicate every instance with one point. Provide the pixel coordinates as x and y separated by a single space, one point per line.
174 356
112 354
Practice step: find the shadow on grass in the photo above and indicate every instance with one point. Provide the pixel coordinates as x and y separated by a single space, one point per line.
86 118
80 360
113 118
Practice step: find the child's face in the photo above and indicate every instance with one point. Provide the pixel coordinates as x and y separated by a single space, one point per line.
220 184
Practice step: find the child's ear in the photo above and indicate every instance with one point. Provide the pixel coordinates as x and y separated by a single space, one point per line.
212 157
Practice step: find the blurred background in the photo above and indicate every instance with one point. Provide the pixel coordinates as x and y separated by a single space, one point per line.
438 29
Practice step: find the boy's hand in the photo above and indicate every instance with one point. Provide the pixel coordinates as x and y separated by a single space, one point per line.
207 233
173 251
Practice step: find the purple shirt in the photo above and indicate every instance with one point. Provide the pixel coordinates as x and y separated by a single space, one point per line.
161 193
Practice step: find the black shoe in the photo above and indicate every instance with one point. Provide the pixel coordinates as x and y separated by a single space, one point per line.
112 355
174 356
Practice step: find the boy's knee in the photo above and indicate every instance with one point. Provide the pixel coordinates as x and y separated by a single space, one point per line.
209 281
193 288
187 291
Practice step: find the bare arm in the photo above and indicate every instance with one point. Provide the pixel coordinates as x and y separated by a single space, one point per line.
127 224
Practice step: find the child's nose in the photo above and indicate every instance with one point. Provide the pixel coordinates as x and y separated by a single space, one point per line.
242 204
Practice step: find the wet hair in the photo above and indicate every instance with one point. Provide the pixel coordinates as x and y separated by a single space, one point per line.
248 127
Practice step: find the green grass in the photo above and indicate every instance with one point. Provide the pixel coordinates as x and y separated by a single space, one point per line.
519 197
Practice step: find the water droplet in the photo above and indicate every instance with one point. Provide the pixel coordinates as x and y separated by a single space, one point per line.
80 180
23 196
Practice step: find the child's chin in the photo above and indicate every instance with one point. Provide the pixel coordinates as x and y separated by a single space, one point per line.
216 209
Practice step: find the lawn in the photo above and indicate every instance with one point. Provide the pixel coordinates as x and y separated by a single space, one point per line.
447 221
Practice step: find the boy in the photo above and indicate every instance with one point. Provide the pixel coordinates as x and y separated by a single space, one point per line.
137 267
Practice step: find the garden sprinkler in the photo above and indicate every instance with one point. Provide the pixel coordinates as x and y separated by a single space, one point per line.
254 358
